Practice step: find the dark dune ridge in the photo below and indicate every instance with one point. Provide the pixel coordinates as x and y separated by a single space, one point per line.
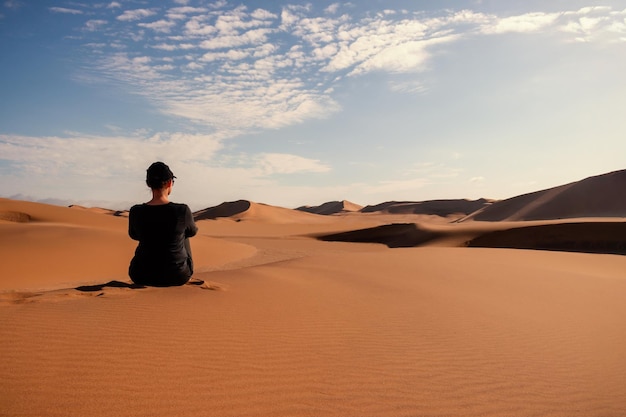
397 235
598 196
589 237
226 209
332 207
441 208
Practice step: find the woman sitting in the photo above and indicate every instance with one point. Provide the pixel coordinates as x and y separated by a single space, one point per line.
163 255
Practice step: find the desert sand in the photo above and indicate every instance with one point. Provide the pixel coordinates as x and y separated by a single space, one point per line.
308 315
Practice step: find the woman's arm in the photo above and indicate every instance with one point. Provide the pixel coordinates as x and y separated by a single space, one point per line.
190 226
132 224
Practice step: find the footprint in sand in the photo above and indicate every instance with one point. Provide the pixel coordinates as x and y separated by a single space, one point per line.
117 288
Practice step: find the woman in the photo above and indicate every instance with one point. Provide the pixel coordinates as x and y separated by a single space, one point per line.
163 229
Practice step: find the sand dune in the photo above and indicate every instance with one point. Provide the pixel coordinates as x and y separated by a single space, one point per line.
249 211
599 196
288 324
443 208
332 207
397 235
100 210
46 246
587 235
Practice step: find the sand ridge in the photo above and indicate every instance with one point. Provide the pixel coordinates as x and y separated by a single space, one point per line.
598 196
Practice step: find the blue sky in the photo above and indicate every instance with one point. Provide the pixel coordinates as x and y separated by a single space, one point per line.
293 103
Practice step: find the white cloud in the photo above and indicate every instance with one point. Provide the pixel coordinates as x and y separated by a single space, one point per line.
405 57
94 24
332 9
261 14
291 14
137 14
165 47
226 105
13 4
163 26
180 13
87 155
231 55
529 22
196 27
187 10
279 163
65 10
195 66
111 167
233 70
252 37
249 77
394 187
87 167
408 86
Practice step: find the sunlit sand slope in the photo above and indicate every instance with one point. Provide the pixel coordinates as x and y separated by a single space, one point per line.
599 196
402 332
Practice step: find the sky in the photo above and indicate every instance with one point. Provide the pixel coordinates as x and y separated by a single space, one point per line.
296 103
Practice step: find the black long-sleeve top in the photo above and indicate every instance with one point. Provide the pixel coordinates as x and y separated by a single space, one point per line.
161 231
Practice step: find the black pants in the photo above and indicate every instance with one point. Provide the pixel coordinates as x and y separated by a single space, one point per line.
171 276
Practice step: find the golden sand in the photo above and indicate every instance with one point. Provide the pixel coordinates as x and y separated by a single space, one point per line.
290 325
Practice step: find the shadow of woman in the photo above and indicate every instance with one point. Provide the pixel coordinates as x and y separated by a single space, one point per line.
112 284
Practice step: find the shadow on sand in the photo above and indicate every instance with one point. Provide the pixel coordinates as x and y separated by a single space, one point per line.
111 284
132 286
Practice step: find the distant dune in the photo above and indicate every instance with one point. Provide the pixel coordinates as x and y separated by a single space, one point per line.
599 196
332 207
241 210
443 208
100 210
592 236
226 209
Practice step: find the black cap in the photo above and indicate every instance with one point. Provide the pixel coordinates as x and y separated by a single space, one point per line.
158 174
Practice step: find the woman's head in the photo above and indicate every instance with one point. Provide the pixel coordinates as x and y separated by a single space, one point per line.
158 175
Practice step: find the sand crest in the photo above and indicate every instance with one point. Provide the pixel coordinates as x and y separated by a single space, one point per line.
598 196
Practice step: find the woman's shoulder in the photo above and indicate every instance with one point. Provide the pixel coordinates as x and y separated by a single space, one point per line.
137 207
180 206
159 208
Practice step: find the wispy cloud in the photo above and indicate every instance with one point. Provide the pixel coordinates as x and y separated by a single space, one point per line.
530 22
103 155
42 163
94 24
65 10
231 70
240 73
394 187
137 14
279 163
162 26
13 4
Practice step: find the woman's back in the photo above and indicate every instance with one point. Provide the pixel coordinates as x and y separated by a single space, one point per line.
163 255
